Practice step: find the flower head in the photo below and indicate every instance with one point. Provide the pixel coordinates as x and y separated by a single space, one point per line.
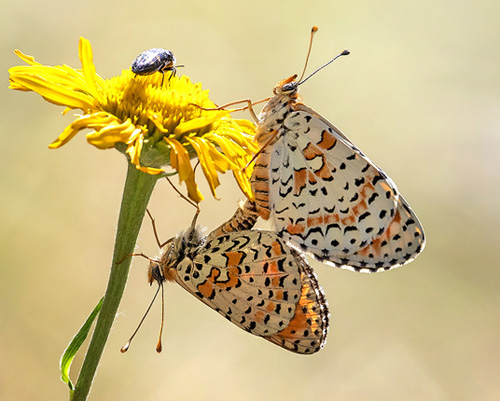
155 123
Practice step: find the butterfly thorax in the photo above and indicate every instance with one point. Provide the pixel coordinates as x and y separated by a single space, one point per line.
184 245
277 109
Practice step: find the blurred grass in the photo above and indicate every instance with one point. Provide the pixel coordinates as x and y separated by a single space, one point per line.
419 95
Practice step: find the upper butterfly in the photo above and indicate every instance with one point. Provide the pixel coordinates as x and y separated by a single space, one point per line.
323 194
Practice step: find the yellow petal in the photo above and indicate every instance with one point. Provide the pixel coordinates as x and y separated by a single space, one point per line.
106 136
179 160
86 58
158 122
82 122
233 132
149 170
55 93
245 124
207 165
222 163
134 150
194 124
232 151
27 59
244 183
69 132
56 75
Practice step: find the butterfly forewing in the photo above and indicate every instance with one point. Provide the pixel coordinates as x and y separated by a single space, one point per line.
258 283
323 194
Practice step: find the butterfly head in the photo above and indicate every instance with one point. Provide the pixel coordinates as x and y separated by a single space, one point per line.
287 87
173 252
163 269
155 272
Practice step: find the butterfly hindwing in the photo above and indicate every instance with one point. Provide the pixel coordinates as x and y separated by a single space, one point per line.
261 285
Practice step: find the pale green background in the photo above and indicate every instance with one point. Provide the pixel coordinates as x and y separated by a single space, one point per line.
419 94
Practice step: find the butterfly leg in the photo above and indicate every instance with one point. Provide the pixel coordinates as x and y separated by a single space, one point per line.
130 255
194 204
248 106
273 135
154 227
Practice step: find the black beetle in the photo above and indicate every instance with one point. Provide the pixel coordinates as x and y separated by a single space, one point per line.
154 60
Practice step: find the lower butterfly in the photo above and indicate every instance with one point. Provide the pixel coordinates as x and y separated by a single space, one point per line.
323 194
252 278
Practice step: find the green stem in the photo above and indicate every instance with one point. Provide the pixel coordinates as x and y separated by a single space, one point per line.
136 194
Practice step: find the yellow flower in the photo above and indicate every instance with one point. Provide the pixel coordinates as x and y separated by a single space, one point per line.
155 124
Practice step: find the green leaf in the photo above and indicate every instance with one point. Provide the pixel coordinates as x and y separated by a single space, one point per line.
74 346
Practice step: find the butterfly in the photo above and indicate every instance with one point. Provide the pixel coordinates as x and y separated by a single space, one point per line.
323 194
252 278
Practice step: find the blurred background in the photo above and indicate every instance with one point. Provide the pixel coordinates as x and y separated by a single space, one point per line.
419 95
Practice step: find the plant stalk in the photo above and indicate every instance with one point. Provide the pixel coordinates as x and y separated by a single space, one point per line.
136 195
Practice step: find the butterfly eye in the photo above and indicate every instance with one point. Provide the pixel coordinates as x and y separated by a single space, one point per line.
289 87
155 273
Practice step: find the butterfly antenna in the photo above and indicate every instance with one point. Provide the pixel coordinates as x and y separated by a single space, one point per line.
159 346
127 345
344 53
313 31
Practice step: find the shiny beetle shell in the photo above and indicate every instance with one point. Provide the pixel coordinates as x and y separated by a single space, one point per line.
154 60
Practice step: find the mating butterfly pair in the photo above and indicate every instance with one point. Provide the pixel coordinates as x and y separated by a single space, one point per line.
323 196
